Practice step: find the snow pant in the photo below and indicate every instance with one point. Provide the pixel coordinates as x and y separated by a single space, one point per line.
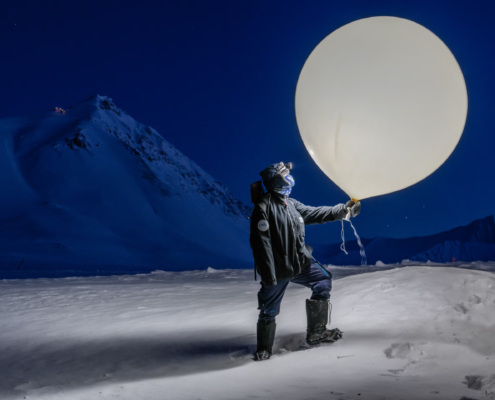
318 279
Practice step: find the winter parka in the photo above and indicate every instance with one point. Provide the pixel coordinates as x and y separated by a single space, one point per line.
277 235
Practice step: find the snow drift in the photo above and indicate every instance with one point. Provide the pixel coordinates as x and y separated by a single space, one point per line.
473 242
94 190
409 333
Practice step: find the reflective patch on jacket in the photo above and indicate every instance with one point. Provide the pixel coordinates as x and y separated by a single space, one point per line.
263 225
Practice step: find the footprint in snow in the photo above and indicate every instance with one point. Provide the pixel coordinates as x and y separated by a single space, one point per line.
386 286
399 350
461 308
473 300
485 384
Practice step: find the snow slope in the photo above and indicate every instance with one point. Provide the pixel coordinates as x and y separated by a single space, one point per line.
473 242
410 333
94 190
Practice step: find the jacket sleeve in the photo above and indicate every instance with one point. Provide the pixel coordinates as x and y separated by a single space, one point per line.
261 246
319 215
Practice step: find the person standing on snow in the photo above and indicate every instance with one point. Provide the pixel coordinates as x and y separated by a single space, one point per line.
281 256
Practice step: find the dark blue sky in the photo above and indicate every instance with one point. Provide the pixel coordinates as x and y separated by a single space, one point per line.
217 79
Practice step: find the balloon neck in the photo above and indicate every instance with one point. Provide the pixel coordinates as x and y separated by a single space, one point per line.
354 200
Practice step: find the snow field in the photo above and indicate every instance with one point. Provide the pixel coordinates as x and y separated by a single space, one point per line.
409 333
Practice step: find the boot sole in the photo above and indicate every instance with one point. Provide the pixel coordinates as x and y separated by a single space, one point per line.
318 341
263 357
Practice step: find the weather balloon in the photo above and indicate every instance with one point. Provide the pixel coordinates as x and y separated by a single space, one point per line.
381 103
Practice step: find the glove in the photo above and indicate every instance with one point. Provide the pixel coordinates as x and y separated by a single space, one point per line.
354 206
339 212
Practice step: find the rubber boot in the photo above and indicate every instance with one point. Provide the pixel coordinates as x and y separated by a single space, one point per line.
318 312
266 336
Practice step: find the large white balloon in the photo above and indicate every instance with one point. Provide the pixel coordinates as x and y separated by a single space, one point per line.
381 103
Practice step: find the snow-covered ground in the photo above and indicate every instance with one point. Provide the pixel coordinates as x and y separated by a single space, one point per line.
419 332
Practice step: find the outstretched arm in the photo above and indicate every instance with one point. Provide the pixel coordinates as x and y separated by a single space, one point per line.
320 215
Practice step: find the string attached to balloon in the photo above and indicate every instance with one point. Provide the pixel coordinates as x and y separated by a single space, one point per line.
342 235
362 252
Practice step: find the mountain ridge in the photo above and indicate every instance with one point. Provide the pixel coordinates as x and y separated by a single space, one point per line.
92 187
393 250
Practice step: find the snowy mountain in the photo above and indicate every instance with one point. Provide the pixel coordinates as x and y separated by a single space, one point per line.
92 189
455 250
473 242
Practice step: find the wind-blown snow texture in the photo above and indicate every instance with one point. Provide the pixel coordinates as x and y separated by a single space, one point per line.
410 333
473 242
93 190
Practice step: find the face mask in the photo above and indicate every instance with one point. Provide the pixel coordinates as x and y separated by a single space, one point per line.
289 178
286 187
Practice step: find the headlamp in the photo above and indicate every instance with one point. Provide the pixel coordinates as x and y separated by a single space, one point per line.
282 170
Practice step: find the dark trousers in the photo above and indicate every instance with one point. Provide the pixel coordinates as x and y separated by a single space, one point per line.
318 279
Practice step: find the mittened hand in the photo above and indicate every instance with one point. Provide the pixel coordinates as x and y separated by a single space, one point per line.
355 207
339 212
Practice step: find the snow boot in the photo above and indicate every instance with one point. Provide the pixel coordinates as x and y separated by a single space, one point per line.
318 312
266 336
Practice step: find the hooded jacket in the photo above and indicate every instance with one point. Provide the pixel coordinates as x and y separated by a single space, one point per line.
277 235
